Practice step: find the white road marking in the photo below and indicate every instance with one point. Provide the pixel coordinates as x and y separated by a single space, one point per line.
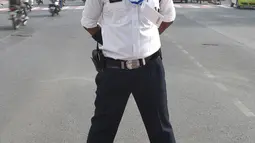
221 86
3 9
44 8
243 108
207 6
209 75
186 52
206 72
198 64
224 6
80 7
177 6
237 102
191 57
179 46
35 8
194 6
69 78
66 7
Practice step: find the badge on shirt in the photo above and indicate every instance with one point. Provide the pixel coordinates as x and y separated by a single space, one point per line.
113 1
137 2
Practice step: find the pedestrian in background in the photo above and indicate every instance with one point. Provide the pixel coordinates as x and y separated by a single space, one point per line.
129 61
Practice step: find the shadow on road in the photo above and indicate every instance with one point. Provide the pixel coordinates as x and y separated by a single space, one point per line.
39 16
6 28
245 8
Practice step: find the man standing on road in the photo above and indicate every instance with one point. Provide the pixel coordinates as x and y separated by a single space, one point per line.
129 32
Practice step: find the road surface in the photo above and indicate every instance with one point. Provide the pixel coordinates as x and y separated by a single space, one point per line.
47 78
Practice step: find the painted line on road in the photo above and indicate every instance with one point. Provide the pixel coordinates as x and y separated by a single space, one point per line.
66 7
80 7
35 8
198 64
179 46
192 58
194 6
224 6
206 72
4 9
177 6
221 86
185 52
243 108
209 75
45 8
206 6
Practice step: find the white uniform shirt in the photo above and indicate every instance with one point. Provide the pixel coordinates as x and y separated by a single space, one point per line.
126 33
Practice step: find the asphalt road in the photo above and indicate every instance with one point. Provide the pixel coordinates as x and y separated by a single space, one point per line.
47 79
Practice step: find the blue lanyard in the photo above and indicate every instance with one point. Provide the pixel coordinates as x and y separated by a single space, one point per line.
137 2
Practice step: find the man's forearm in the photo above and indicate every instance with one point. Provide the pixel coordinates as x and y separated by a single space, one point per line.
96 34
164 26
93 31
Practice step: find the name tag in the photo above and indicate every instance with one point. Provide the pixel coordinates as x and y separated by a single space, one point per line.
113 1
151 14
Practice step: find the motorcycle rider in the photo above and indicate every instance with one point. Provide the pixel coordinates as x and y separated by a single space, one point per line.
31 2
19 4
60 3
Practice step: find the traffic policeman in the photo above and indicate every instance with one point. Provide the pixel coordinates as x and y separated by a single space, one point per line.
129 61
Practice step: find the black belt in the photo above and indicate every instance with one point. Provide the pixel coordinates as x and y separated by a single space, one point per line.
130 64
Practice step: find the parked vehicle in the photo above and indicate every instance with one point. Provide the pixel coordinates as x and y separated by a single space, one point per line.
243 3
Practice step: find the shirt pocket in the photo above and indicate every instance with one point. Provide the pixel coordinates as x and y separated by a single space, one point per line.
117 13
145 22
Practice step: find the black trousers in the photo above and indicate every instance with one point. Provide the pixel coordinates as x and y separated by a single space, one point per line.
148 86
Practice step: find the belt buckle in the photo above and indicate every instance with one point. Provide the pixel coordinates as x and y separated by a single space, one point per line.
132 64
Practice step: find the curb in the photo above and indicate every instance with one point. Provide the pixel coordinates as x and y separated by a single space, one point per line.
215 3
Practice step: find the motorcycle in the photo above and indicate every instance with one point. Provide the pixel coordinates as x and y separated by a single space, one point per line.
17 17
54 7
